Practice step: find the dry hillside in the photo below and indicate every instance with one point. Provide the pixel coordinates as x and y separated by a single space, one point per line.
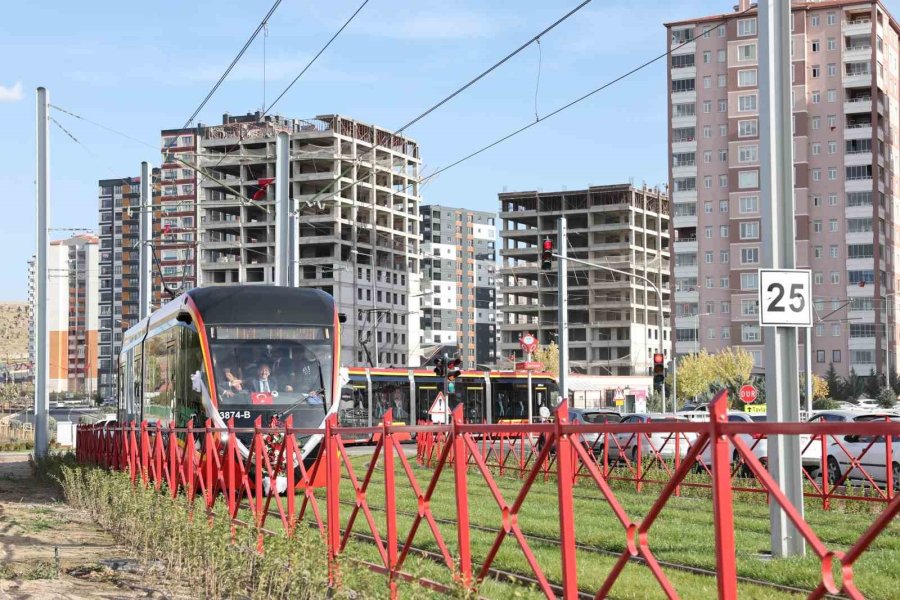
13 330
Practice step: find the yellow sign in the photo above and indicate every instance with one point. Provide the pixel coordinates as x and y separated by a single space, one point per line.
620 402
756 409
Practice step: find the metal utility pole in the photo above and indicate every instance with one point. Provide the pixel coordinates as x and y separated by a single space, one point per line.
145 278
777 193
41 337
283 236
563 319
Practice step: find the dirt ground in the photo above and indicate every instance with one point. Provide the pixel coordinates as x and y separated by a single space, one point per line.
48 550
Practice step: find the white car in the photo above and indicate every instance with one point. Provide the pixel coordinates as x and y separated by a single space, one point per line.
757 443
625 444
869 452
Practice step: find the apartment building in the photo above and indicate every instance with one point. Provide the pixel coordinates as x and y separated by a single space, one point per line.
176 245
845 104
119 264
355 191
458 281
72 313
614 319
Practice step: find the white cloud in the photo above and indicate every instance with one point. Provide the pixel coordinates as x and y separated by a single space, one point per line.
11 94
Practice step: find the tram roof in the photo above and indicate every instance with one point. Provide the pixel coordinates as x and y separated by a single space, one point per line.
261 304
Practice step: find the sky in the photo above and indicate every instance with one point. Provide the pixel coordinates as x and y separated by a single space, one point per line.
140 68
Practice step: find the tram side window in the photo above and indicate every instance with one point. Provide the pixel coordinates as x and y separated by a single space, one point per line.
390 395
353 411
188 401
158 386
137 379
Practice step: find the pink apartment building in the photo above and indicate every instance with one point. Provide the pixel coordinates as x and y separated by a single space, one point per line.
846 100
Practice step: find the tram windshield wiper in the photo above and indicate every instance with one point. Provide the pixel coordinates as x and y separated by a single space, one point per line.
320 393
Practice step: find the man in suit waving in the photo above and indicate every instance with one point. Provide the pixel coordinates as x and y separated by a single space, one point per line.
264 382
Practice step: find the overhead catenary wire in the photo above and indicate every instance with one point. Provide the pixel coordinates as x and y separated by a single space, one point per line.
314 58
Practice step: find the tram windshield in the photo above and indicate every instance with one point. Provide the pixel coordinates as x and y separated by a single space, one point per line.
272 365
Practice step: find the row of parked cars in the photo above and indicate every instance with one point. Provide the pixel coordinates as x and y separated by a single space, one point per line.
863 456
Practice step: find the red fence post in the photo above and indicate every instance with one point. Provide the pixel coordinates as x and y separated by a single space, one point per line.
390 498
460 480
332 497
723 512
564 473
889 465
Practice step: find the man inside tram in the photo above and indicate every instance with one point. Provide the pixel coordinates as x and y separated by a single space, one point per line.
264 382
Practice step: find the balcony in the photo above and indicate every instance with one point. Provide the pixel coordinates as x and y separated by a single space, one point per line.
857 131
858 51
858 105
857 26
857 76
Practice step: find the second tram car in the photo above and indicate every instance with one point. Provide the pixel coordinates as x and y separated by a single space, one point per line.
487 397
236 352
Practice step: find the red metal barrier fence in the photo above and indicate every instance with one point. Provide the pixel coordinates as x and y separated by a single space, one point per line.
208 463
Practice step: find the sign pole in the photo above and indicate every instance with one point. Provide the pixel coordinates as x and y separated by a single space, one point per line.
777 194
563 302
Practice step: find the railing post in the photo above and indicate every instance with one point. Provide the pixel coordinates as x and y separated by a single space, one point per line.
190 450
390 497
332 497
889 465
460 479
723 512
145 453
826 499
259 451
564 473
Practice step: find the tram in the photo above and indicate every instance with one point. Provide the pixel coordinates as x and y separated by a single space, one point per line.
486 396
236 352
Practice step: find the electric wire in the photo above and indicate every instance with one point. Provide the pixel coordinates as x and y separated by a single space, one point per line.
316 57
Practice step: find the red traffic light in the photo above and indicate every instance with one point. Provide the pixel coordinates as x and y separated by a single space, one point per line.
546 254
659 358
548 245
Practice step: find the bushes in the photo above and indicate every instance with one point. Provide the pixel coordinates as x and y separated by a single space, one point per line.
200 552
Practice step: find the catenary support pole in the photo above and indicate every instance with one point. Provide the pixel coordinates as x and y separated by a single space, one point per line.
777 194
41 337
563 302
145 278
282 209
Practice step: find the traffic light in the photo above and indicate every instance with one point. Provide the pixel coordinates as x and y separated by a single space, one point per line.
659 370
453 369
440 367
546 254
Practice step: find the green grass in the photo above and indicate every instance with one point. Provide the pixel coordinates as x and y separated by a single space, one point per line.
683 534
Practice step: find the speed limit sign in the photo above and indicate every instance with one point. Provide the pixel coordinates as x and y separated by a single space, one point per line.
785 298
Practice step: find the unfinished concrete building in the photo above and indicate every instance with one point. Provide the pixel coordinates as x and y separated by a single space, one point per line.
355 187
613 318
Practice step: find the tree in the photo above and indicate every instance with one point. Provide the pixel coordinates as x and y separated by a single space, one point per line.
695 375
548 356
819 387
854 386
872 385
731 368
887 398
833 381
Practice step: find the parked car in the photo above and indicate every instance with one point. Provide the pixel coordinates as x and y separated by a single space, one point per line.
868 452
625 444
757 443
592 441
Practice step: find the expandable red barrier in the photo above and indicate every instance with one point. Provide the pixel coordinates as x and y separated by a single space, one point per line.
262 470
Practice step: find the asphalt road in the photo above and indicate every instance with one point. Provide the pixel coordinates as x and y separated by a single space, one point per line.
68 414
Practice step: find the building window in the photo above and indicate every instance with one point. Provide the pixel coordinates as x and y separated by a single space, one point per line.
832 95
814 46
723 206
814 74
749 204
750 333
817 226
748 153
816 174
747 103
707 207
748 128
815 122
748 179
836 354
726 333
817 252
832 69
723 257
723 155
707 57
831 18
820 356
723 231
749 281
814 21
721 56
749 308
749 230
723 106
749 256
746 27
746 52
683 85
832 173
707 82
832 149
723 181
747 78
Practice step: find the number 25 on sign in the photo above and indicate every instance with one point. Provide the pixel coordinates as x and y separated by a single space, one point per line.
785 298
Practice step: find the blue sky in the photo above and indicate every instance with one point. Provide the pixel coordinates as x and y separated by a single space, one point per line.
141 67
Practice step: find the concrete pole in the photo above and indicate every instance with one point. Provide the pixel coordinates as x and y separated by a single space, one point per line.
41 336
563 302
282 209
809 374
777 192
145 278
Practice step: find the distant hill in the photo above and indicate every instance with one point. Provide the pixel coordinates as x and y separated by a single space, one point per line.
13 330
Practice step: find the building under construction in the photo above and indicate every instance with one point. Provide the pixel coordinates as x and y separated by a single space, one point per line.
613 318
354 189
